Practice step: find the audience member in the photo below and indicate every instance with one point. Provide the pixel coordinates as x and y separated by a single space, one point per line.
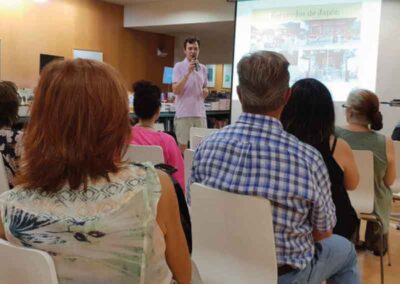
363 117
396 133
255 156
189 83
10 146
147 105
310 116
102 221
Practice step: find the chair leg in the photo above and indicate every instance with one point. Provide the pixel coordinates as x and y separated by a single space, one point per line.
388 252
381 250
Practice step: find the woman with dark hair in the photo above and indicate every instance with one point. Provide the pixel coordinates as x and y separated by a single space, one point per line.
147 104
10 146
364 118
309 115
101 220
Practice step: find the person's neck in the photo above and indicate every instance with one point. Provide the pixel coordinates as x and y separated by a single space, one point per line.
275 114
146 123
357 127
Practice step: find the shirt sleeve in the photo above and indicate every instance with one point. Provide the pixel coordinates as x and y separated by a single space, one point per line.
205 77
174 158
176 73
323 216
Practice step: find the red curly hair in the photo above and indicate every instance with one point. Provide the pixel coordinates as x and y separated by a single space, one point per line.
79 126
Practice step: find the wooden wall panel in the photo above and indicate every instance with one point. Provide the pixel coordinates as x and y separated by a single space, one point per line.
59 26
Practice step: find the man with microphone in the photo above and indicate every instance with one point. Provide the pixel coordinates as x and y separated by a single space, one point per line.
190 88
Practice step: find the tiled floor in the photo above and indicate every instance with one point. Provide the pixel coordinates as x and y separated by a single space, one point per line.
370 264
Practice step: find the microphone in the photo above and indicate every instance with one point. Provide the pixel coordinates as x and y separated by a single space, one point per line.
196 65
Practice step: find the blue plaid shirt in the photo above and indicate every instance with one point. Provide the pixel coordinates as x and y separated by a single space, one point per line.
255 156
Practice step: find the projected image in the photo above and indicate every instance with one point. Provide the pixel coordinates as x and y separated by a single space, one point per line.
325 49
333 42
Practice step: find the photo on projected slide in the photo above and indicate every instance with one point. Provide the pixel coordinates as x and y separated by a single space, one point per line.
328 42
325 49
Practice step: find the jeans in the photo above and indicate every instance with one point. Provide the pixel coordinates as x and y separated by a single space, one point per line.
335 261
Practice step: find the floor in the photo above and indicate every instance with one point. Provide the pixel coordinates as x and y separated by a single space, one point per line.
370 264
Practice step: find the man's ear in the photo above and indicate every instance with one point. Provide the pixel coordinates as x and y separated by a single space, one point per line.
239 94
287 96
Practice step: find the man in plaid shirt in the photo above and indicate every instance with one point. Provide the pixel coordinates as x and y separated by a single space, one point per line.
255 156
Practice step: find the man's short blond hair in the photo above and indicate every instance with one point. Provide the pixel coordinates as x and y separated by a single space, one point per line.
263 81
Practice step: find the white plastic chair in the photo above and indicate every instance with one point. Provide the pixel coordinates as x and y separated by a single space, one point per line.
140 154
188 159
362 198
199 132
195 141
233 238
3 177
25 266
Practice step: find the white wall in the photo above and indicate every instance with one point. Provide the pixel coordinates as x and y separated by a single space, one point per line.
175 12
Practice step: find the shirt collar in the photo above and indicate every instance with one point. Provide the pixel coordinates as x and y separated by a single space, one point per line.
263 121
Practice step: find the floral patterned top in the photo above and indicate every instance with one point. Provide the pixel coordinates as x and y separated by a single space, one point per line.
10 148
105 234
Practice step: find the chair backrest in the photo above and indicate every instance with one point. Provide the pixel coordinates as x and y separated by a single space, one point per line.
3 177
25 266
233 238
188 159
195 141
140 154
199 133
362 198
396 186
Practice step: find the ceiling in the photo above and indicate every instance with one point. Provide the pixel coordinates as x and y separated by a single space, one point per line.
217 29
202 30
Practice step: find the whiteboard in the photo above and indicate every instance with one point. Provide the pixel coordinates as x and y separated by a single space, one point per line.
88 54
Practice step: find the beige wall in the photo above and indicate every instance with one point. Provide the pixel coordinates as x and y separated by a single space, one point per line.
213 50
59 26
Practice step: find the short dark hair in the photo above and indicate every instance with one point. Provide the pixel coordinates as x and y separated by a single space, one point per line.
147 99
191 40
309 114
9 102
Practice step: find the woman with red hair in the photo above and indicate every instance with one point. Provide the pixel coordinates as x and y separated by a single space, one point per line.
102 220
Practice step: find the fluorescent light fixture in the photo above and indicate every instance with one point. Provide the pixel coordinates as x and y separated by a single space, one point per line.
14 4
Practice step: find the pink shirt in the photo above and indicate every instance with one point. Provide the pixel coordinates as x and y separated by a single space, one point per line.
190 103
172 154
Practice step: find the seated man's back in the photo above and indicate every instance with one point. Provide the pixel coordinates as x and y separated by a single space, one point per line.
255 156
